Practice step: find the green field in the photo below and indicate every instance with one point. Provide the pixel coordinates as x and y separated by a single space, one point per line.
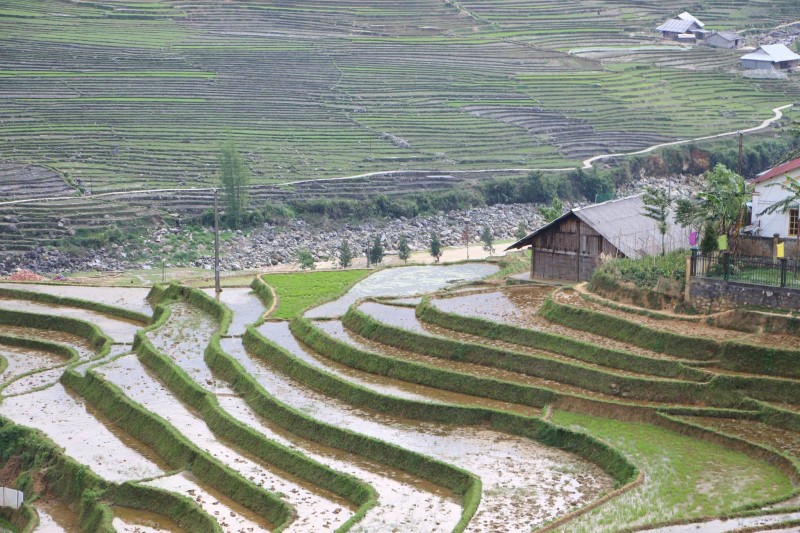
299 291
132 95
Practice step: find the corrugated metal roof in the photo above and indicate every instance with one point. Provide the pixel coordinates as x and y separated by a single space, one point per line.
729 35
773 53
691 18
624 225
777 171
677 26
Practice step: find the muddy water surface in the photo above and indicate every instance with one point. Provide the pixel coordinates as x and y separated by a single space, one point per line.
404 281
486 371
246 307
233 518
22 360
55 517
393 387
315 512
732 524
71 424
405 502
127 520
118 329
404 317
524 483
133 298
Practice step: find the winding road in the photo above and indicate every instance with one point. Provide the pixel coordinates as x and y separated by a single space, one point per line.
587 164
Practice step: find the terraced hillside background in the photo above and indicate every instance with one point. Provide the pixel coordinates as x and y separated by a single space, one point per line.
135 95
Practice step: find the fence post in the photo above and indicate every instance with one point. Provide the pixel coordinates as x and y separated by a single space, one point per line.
783 271
693 268
726 264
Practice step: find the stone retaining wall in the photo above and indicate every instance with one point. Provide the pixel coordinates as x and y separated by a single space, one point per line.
711 295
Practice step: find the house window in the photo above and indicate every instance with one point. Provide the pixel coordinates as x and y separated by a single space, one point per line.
793 215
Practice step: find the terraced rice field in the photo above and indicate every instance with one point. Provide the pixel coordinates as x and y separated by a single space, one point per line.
421 400
136 95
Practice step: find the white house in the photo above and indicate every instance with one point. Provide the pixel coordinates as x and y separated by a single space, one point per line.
768 191
769 57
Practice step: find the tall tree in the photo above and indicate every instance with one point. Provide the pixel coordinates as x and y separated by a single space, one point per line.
376 251
436 246
721 203
657 204
403 250
488 239
234 178
345 256
553 211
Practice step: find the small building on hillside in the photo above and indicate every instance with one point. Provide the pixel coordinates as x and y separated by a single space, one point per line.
570 247
674 28
771 57
767 191
725 39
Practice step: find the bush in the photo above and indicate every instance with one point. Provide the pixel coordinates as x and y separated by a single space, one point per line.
645 272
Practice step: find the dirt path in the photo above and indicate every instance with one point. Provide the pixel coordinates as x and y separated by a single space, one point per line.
587 163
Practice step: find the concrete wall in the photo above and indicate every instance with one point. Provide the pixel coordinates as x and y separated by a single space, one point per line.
762 247
711 295
766 194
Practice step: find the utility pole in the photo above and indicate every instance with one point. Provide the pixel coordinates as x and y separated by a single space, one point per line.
217 287
465 237
741 140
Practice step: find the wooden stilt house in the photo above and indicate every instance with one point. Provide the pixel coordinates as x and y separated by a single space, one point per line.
571 247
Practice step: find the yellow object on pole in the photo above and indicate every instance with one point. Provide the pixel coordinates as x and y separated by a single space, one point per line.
781 250
723 242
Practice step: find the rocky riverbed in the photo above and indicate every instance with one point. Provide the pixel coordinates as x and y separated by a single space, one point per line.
272 245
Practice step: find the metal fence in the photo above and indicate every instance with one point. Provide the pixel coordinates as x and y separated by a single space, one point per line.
781 272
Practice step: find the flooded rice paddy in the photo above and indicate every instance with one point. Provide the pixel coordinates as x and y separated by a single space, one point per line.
524 483
131 298
233 517
406 281
55 517
71 424
132 377
393 387
118 329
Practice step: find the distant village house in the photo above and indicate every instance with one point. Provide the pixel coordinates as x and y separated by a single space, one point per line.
767 191
570 247
771 57
725 39
683 28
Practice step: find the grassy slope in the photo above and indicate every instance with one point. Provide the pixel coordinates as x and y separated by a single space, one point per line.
685 477
298 291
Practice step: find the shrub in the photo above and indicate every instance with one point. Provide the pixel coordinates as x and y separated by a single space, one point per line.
645 272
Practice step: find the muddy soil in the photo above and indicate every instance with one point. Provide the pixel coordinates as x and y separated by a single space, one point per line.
524 483
695 329
754 431
83 434
132 298
518 307
118 329
405 281
389 386
315 512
